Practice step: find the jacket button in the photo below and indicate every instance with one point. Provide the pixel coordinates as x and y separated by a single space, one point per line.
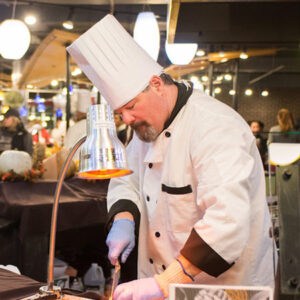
151 260
150 165
157 234
148 198
164 267
167 134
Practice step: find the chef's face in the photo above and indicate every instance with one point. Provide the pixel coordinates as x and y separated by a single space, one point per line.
146 113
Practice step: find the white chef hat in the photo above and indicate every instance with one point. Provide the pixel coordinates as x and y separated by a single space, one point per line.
84 100
112 60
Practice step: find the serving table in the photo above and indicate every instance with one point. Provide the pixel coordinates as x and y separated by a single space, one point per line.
28 208
19 287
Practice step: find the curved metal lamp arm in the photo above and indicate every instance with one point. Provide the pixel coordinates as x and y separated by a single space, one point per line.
50 288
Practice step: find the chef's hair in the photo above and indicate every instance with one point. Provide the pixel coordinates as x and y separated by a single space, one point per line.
166 78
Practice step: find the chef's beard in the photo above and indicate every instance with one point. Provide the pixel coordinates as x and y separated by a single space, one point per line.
145 131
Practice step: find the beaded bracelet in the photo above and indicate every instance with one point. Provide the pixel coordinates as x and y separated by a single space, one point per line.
184 271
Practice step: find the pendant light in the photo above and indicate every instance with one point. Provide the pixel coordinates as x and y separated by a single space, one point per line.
68 23
181 53
146 33
14 37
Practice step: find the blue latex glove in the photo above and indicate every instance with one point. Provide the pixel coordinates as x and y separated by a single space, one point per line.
120 240
142 289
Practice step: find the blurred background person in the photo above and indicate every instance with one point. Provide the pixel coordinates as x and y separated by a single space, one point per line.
257 128
283 132
59 132
297 124
78 130
13 135
40 134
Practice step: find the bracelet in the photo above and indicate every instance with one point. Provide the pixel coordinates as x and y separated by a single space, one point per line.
184 271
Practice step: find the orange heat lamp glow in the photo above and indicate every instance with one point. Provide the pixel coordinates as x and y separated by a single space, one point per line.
104 174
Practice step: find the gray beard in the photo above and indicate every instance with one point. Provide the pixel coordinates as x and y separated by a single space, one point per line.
145 132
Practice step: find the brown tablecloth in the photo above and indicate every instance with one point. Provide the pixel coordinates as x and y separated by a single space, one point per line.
14 286
82 203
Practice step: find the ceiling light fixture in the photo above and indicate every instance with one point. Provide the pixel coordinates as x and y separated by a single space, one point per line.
265 93
14 37
181 53
54 83
248 92
146 33
217 90
223 60
76 72
204 78
200 52
232 92
243 55
68 24
30 20
228 77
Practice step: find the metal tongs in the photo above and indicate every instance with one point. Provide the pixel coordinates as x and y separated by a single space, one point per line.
115 280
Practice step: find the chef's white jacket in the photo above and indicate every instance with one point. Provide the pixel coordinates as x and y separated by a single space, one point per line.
200 191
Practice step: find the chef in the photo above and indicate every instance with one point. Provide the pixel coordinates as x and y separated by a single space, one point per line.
78 130
196 198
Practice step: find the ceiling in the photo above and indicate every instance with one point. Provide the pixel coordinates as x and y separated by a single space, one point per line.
215 25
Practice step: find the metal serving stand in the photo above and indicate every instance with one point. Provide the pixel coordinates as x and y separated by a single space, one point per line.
288 196
288 186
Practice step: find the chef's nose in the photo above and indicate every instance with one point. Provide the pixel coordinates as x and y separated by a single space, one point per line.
127 117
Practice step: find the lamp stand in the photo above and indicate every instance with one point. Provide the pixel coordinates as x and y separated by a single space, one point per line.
50 289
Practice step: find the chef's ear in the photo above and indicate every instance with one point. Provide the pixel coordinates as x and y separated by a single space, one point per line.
156 82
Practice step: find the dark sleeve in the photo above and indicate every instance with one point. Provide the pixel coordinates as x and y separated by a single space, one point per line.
121 206
22 141
203 256
28 144
122 136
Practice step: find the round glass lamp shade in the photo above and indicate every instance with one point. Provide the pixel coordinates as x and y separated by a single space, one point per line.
181 54
15 39
146 33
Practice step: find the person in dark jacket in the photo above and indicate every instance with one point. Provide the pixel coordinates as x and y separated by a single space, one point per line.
257 128
13 135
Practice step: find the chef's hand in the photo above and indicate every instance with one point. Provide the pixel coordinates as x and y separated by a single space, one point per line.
120 240
142 289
